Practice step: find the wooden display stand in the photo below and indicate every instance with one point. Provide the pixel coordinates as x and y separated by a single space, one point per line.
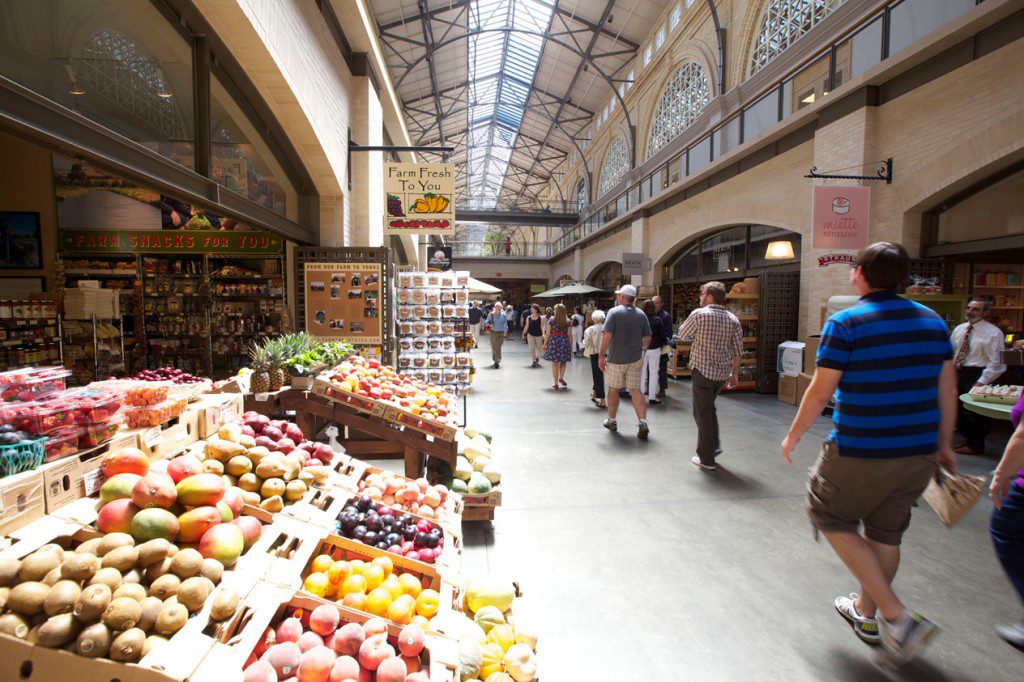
679 361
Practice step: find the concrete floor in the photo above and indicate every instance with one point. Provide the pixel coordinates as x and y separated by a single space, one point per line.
636 565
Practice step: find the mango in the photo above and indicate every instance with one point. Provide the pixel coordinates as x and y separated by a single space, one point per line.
116 516
124 461
195 522
119 487
154 490
251 529
224 542
153 523
201 490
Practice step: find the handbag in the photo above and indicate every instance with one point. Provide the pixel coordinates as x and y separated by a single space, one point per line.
951 494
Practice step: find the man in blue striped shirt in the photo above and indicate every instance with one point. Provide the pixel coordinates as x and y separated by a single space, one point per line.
889 363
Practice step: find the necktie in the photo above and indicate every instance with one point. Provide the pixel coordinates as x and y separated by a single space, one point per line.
965 347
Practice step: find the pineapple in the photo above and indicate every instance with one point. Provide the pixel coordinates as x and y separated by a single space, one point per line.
260 381
277 353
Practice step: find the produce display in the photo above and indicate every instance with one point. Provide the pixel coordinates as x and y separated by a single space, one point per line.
175 376
389 529
475 472
144 416
317 646
272 360
405 495
368 378
32 383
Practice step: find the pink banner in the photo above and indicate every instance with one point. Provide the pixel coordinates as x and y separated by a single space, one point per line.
842 216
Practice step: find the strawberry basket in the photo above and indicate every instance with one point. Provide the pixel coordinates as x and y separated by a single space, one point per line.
26 456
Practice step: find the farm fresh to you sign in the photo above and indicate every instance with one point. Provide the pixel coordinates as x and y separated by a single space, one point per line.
420 198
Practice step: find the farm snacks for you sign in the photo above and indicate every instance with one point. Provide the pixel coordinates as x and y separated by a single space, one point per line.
343 301
171 241
420 198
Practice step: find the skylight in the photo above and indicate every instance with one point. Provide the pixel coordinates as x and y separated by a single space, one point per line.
502 65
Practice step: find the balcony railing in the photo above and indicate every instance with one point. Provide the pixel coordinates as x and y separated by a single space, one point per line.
481 249
870 41
470 204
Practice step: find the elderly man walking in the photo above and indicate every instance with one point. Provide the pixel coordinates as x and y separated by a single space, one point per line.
625 337
714 364
499 327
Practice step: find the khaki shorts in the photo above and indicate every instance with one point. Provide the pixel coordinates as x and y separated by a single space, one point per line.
623 376
843 492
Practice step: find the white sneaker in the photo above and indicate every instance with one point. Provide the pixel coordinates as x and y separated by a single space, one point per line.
904 639
706 467
611 425
865 628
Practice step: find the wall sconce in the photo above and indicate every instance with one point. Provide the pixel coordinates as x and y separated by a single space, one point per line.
780 250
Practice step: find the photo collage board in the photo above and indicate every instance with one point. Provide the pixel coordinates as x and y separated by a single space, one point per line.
343 302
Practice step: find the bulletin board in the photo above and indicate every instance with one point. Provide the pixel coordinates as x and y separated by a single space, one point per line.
345 301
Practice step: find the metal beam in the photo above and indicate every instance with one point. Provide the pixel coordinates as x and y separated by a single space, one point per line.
428 38
598 28
424 14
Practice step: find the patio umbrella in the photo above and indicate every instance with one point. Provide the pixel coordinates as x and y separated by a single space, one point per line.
478 287
550 293
579 290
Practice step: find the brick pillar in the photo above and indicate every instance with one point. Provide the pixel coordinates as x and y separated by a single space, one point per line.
367 195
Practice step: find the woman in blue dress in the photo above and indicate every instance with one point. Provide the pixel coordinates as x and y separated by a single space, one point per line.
558 345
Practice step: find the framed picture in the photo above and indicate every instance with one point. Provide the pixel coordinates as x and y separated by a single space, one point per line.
20 243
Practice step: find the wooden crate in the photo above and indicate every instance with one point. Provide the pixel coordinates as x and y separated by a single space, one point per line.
354 471
341 396
429 427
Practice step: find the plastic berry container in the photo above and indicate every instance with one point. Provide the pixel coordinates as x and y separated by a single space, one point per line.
146 393
95 435
97 407
55 414
60 444
21 416
145 416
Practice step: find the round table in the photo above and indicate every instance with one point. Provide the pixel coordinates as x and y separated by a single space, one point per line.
986 409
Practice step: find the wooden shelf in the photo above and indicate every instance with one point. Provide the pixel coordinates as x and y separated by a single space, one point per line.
749 339
997 286
747 318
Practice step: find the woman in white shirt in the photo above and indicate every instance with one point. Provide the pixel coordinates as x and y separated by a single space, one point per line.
592 350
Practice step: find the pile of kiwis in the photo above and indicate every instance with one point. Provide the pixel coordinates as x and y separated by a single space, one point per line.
108 598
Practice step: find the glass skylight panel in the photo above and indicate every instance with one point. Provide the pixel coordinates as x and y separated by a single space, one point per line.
648 53
659 39
677 14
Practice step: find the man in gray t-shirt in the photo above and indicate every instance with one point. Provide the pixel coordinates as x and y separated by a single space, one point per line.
626 335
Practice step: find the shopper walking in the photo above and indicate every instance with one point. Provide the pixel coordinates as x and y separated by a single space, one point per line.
499 327
889 363
592 350
625 337
651 370
1006 527
666 349
475 316
714 364
577 331
510 320
978 344
533 332
557 345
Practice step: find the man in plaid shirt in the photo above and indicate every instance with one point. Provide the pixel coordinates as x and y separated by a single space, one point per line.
714 364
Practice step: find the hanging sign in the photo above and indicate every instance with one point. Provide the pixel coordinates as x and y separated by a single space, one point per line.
842 217
439 258
343 301
834 258
632 264
420 198
171 241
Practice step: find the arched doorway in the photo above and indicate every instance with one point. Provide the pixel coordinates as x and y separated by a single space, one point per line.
607 276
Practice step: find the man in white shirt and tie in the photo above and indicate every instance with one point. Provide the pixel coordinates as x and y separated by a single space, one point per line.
977 344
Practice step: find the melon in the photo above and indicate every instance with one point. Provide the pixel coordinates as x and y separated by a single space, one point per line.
489 591
463 469
478 484
471 658
491 473
488 617
480 462
520 663
491 661
459 486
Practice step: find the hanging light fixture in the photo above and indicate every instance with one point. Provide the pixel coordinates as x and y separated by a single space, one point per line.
780 250
74 89
162 90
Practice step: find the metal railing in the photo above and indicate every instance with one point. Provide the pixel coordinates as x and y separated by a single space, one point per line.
560 207
487 249
873 39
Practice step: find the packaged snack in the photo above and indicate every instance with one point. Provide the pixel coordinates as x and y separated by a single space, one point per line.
434 343
405 279
419 279
419 343
447 343
405 312
447 327
433 279
448 311
419 296
433 311
405 344
462 278
404 361
419 328
433 296
434 327
462 359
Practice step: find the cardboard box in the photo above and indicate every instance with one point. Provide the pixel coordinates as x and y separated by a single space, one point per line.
170 438
788 389
79 476
217 409
790 358
810 353
22 500
82 304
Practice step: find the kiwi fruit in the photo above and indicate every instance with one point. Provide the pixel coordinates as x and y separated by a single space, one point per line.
122 613
52 547
165 586
91 604
131 590
152 552
127 646
225 601
151 608
154 571
132 576
186 563
193 593
89 546
58 631
121 558
14 625
36 565
112 541
9 569
27 598
94 641
152 642
171 619
110 577
212 570
52 577
4 593
61 597
80 567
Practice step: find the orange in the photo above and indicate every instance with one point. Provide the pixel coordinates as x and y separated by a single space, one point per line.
421 621
355 600
410 585
378 601
392 585
427 602
374 575
353 583
386 563
316 583
338 571
322 563
400 611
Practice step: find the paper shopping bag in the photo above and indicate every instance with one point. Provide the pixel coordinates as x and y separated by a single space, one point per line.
951 494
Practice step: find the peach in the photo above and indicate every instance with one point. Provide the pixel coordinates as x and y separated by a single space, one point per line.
375 651
347 639
268 639
417 677
391 670
412 664
309 640
324 619
410 640
289 630
260 671
316 665
426 511
285 657
345 668
375 626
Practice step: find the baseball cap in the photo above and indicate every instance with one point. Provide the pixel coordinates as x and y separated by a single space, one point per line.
627 290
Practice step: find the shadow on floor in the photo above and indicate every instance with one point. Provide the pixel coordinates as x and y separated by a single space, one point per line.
862 668
477 534
729 480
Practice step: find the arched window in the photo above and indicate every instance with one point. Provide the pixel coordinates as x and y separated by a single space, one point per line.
581 195
685 96
616 163
114 66
783 22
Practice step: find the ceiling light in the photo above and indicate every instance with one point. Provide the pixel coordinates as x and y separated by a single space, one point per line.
74 90
780 250
808 99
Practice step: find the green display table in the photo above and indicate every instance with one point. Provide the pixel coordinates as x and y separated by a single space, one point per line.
985 409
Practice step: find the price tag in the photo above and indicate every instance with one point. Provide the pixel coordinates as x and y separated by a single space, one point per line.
262 397
227 414
92 480
153 437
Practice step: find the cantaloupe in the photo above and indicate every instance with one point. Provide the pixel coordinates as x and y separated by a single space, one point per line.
480 463
520 663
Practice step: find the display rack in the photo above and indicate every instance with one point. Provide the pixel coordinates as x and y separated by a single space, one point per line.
95 348
29 334
745 306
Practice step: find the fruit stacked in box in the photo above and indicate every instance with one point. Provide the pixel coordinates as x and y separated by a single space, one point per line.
317 646
110 597
406 495
270 461
368 378
389 529
475 472
31 383
185 505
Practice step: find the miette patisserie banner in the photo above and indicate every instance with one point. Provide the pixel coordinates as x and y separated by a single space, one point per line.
842 217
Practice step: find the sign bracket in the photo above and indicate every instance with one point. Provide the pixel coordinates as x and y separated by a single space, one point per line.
883 172
445 152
